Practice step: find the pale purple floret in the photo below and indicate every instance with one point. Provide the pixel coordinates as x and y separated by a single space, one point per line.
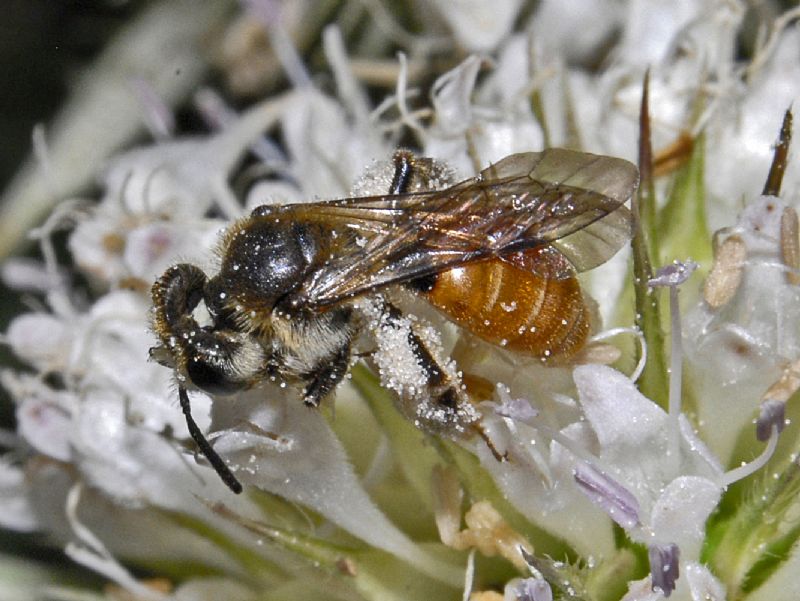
616 500
533 589
664 570
773 413
519 410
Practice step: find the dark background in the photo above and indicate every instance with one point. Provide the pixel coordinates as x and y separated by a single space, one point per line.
43 45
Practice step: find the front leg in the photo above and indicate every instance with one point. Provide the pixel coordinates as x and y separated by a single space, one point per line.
326 377
313 350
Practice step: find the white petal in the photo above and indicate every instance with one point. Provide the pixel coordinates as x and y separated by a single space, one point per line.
117 335
273 193
539 483
620 415
741 137
26 274
43 414
679 516
452 99
327 152
655 27
494 140
96 244
698 458
642 590
153 247
576 29
137 467
45 425
735 352
40 339
298 457
479 26
703 585
170 178
16 512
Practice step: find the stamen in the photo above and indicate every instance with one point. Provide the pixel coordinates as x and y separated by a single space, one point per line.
63 215
773 414
673 276
352 95
616 500
773 402
664 569
747 469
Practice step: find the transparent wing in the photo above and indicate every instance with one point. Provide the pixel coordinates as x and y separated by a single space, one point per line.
570 199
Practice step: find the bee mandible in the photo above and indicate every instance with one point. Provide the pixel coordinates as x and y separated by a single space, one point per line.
498 254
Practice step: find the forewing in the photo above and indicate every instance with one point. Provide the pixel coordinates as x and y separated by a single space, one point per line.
591 245
596 243
523 201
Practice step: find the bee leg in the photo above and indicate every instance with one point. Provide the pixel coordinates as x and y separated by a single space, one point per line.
439 403
429 389
327 377
447 395
205 447
403 168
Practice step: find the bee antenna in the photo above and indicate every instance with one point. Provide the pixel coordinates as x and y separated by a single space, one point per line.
205 447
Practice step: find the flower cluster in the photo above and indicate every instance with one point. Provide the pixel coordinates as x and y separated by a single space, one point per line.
619 478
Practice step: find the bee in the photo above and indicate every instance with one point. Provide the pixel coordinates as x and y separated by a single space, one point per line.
498 254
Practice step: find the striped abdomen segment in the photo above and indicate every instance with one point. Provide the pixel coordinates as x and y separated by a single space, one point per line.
514 308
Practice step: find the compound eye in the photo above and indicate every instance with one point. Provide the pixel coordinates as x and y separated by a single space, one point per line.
223 362
212 378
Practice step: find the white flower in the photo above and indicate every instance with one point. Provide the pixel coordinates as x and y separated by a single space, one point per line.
476 25
569 457
737 350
